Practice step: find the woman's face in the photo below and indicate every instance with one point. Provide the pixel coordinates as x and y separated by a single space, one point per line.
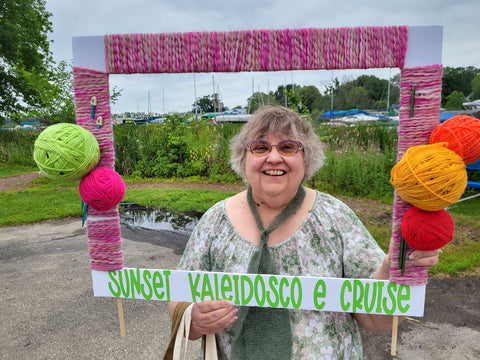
274 174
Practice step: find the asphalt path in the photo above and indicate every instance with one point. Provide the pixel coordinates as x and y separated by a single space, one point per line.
48 310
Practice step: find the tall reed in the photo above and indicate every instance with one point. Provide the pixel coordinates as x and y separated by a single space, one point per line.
359 159
177 148
16 147
357 172
363 136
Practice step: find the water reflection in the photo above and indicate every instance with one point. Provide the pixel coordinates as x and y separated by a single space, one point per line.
135 216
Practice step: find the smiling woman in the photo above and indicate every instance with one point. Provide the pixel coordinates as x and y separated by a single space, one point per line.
278 226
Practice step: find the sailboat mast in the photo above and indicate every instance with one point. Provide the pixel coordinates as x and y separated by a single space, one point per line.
331 99
388 91
148 105
213 95
268 91
163 101
195 96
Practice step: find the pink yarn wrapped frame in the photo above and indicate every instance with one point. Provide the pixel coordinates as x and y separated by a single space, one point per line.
262 50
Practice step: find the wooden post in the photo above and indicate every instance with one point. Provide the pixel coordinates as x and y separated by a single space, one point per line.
120 317
394 335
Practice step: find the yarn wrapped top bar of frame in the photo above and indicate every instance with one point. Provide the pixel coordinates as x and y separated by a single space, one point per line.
257 50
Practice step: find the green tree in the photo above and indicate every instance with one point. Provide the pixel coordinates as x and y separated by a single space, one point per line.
457 79
331 92
25 57
207 103
375 87
380 104
376 91
310 96
58 98
455 100
357 98
115 94
281 94
259 99
295 101
476 88
349 96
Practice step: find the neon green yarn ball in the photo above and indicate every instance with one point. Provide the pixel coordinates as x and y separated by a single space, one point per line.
66 151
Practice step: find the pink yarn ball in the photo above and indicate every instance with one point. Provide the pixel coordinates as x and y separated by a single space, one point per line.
102 189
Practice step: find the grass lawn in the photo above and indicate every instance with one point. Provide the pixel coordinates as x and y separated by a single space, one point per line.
8 170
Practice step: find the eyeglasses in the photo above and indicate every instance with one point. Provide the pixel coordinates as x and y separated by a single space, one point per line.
285 147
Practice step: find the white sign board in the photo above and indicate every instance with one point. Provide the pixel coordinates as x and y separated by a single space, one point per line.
276 291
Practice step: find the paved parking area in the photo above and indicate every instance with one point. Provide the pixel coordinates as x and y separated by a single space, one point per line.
48 310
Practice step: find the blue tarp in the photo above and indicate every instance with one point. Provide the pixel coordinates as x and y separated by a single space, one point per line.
474 166
446 115
332 114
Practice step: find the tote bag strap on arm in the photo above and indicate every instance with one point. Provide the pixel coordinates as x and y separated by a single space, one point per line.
184 332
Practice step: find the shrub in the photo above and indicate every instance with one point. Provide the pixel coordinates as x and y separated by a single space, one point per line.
359 160
176 149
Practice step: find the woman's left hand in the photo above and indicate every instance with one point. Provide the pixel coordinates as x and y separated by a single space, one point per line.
425 258
381 323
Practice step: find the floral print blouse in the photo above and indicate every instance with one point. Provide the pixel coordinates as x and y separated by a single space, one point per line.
331 242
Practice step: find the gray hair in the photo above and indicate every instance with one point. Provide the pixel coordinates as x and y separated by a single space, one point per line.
279 121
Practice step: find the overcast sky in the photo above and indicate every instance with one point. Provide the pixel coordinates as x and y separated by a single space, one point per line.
175 92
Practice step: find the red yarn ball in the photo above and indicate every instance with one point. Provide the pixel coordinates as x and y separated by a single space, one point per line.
462 133
427 230
102 189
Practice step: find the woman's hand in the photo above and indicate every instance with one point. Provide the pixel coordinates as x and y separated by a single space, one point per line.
209 317
425 258
417 257
382 323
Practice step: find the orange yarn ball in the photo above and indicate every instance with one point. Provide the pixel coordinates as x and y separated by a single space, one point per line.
462 133
430 177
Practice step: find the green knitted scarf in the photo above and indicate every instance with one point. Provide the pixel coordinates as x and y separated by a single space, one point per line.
264 333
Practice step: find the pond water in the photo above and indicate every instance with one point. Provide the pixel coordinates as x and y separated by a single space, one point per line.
136 217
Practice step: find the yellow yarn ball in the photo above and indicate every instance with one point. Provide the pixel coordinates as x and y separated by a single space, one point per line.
430 177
